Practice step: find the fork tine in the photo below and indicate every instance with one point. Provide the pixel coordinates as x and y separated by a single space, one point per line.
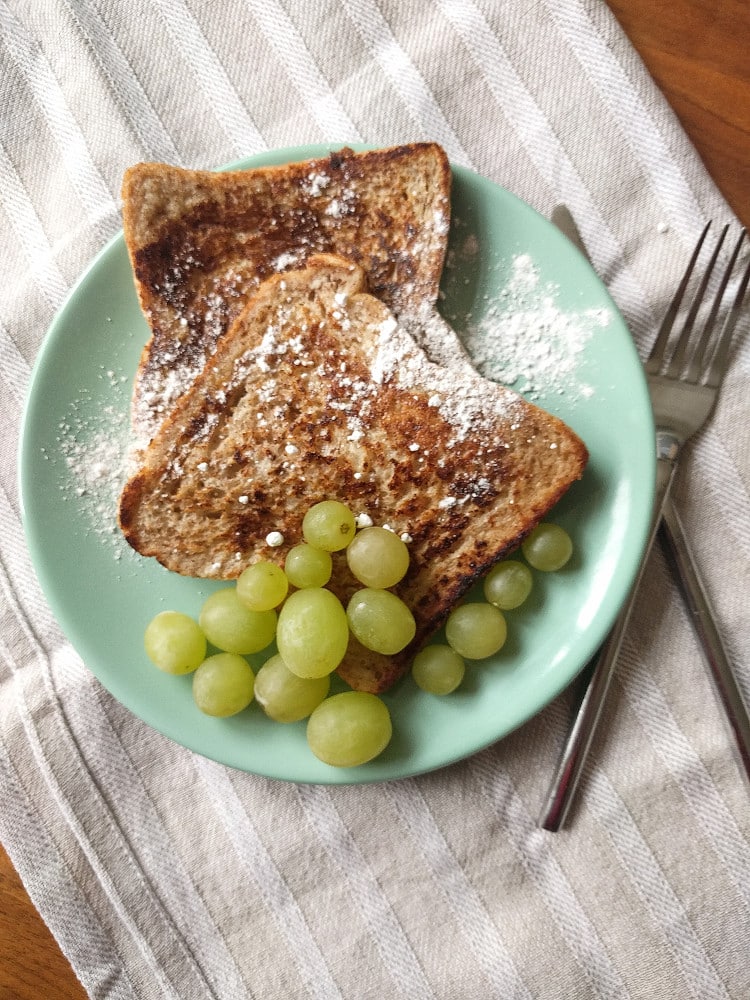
658 351
715 372
704 347
677 361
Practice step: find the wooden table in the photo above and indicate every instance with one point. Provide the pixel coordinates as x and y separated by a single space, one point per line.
696 50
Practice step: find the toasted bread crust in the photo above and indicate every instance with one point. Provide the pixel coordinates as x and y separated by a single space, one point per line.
200 242
316 392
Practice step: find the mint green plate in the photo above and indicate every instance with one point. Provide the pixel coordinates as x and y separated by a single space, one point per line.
508 270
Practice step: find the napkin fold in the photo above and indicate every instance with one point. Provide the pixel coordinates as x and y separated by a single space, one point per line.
165 875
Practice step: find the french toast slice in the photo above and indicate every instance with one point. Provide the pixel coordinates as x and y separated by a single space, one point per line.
200 241
317 392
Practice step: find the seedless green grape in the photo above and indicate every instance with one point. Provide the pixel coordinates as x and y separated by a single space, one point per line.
174 642
284 696
380 620
508 584
476 630
329 525
262 586
548 547
312 633
377 557
438 669
223 685
349 729
306 566
232 627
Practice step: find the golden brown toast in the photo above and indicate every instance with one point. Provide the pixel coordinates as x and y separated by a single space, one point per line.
316 392
201 241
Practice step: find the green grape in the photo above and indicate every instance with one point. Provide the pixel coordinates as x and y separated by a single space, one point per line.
476 630
223 685
380 620
548 547
284 696
349 729
262 586
306 566
312 634
232 627
508 584
377 557
174 642
438 669
329 525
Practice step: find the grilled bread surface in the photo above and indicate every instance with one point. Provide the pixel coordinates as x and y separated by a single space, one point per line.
200 241
316 392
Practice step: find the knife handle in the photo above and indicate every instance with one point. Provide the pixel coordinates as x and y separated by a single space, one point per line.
580 737
696 600
601 671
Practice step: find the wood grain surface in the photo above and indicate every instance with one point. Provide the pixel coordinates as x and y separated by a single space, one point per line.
32 967
697 52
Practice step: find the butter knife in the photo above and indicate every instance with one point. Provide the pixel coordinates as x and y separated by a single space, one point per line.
672 535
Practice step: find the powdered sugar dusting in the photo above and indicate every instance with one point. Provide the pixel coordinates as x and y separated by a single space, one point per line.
461 397
526 340
523 335
92 447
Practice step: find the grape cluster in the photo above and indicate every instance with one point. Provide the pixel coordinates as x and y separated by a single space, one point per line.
478 629
312 628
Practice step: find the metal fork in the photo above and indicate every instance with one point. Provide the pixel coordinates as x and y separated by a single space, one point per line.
684 375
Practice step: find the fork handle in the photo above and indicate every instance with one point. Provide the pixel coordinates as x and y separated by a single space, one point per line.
699 607
575 752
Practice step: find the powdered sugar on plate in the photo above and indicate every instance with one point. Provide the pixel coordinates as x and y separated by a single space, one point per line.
523 337
92 446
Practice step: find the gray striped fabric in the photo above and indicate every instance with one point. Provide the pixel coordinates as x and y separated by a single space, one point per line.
164 875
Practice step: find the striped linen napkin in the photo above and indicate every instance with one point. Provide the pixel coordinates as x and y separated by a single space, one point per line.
165 875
